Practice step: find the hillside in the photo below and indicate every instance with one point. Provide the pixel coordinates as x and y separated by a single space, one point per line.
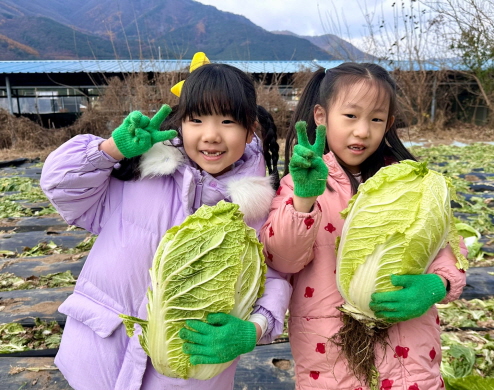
47 39
339 48
103 29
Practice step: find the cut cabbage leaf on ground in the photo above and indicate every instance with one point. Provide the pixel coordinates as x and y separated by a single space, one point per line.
396 224
471 238
211 263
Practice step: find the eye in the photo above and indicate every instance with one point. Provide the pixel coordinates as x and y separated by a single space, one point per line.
351 116
378 120
228 121
194 120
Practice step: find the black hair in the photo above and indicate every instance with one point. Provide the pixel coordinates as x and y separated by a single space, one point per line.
219 89
212 89
270 147
323 89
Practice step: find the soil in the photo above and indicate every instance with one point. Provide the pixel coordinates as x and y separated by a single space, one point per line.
430 137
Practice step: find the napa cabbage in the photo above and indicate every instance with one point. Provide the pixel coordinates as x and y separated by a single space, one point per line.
212 262
396 224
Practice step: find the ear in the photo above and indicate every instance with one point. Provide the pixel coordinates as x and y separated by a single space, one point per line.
390 122
251 132
319 115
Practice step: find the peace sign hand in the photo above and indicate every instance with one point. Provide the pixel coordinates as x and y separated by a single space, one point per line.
309 171
138 133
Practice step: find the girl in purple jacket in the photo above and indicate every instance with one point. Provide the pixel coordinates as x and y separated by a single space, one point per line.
129 190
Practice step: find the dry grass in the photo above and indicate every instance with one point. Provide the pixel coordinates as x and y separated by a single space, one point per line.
271 100
461 132
14 153
21 137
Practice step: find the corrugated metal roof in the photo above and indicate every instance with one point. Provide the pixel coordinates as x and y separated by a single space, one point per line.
281 66
90 66
131 66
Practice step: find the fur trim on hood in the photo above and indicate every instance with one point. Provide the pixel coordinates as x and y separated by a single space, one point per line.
162 159
252 193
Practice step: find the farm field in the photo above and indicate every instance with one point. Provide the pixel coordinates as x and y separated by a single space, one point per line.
41 257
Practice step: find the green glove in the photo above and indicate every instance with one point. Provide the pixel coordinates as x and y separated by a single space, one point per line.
220 340
138 133
308 169
418 294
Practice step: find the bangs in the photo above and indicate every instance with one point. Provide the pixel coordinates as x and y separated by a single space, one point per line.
382 93
219 90
209 99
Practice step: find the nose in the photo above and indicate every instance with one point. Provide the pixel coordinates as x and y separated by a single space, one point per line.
361 129
210 133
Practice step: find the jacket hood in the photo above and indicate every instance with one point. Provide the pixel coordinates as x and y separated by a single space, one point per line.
245 185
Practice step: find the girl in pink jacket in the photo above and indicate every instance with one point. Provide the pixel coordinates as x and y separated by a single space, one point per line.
356 103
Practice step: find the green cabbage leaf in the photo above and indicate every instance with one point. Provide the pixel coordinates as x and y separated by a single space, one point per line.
211 263
396 224
471 238
471 382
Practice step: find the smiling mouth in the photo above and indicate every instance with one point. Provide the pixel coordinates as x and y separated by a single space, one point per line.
211 154
352 147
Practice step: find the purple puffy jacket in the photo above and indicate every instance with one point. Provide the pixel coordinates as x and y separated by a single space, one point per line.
130 218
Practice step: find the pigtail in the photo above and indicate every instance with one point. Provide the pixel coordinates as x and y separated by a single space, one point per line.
304 112
127 169
270 147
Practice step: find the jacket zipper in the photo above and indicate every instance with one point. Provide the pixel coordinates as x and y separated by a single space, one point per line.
198 194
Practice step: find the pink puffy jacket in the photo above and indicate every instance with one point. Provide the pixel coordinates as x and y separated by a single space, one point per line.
304 244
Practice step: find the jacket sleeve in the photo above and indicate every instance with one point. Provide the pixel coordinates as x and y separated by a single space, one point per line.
288 235
76 180
274 304
445 265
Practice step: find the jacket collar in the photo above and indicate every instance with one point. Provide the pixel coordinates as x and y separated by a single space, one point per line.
246 185
335 169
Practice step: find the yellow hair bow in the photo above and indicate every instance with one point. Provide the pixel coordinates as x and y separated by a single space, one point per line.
198 60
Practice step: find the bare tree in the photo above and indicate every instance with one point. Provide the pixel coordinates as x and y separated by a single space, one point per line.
469 32
408 40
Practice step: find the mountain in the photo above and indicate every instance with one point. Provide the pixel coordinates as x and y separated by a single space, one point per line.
113 29
47 39
339 48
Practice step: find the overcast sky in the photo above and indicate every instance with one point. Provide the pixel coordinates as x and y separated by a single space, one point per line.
344 18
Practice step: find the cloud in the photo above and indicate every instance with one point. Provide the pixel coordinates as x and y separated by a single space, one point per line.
300 17
306 17
351 20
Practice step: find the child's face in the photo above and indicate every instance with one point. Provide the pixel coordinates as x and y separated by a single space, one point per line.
214 142
356 121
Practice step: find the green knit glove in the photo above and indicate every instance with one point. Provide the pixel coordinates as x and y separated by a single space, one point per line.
138 133
220 340
308 169
418 294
